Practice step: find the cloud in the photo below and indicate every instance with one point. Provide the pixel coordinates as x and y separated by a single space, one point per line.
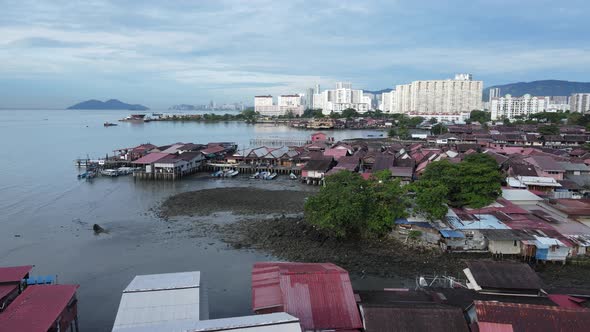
259 46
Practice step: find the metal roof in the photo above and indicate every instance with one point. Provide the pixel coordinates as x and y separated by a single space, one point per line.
151 282
160 298
319 294
7 289
504 275
150 158
14 273
37 308
519 195
506 234
414 317
530 317
280 322
449 233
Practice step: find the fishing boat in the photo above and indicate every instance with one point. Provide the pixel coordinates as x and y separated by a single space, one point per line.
292 176
109 124
82 175
255 176
217 174
110 172
271 176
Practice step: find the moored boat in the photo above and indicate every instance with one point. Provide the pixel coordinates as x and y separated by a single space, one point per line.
255 175
109 172
292 176
271 176
109 124
217 174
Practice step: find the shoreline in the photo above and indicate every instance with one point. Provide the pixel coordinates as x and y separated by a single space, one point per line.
258 222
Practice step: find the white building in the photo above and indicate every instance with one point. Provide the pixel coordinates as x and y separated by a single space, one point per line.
509 107
265 105
494 93
286 103
341 98
580 102
435 98
290 103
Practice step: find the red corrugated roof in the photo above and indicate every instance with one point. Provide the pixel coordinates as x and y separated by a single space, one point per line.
530 317
150 158
37 308
213 149
7 289
320 295
566 301
14 273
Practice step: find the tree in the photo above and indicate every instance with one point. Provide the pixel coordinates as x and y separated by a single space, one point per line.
433 120
480 116
349 206
403 132
549 130
415 121
312 113
439 129
506 121
350 113
431 199
475 182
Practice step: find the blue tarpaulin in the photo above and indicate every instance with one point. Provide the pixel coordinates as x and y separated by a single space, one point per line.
449 233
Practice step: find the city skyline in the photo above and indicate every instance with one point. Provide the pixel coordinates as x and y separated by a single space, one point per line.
59 53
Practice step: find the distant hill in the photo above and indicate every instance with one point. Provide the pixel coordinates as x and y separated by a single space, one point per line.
540 88
111 104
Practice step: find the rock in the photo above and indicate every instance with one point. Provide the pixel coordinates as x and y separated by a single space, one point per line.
97 229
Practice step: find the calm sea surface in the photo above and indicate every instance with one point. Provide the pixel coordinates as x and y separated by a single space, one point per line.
47 214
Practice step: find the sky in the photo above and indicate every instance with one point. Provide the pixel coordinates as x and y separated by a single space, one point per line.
158 53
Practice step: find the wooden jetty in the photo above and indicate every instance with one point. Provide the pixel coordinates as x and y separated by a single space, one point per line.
278 141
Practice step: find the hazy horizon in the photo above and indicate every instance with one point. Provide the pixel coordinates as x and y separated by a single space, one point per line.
55 54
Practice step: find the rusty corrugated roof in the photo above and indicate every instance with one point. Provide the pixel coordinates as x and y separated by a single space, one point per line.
530 317
504 275
320 295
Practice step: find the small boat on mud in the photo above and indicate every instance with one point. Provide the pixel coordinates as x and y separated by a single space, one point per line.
255 175
217 174
292 176
110 172
271 176
232 173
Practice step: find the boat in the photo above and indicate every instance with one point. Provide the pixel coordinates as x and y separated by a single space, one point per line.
271 176
157 114
263 175
109 172
255 176
90 175
232 173
109 124
82 175
292 176
217 174
125 170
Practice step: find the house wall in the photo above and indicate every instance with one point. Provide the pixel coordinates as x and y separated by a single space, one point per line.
557 176
504 247
552 254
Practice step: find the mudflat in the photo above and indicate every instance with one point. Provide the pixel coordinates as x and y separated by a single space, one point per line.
239 200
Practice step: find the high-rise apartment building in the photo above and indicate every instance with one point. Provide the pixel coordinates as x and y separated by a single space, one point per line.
510 107
494 93
436 98
580 102
341 98
309 98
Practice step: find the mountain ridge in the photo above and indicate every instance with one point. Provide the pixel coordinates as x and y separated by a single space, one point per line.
111 104
539 88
